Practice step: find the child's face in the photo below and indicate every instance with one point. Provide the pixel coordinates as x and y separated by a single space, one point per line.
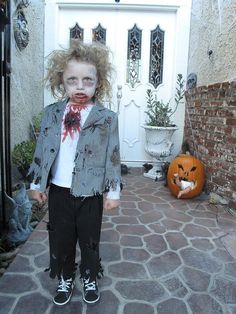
80 81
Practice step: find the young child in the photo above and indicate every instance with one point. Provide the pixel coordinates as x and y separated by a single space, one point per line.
77 156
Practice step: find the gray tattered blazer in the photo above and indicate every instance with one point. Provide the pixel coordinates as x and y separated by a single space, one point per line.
97 159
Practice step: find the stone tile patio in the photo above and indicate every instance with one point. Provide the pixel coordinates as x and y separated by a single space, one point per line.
160 255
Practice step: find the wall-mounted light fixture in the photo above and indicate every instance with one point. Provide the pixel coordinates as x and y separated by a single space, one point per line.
210 54
20 28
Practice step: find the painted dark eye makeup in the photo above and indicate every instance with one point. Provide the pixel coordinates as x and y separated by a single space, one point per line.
71 80
87 81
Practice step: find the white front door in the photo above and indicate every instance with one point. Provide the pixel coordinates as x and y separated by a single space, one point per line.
117 19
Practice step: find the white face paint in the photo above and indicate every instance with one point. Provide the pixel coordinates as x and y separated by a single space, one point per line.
80 81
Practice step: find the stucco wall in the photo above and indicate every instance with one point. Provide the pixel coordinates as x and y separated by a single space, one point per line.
213 28
27 72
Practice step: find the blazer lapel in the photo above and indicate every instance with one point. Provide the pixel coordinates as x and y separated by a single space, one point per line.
57 114
95 117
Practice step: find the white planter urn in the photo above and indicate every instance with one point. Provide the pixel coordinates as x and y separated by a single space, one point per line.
158 145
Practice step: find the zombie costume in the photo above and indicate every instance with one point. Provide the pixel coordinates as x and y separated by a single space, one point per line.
79 160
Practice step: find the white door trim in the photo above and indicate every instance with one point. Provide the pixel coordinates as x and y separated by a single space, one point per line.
120 7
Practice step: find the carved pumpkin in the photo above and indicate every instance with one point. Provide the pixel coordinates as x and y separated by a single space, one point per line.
186 176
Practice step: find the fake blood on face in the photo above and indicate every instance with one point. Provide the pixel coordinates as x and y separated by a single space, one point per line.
80 98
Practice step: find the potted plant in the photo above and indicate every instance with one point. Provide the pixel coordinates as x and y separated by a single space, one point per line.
159 128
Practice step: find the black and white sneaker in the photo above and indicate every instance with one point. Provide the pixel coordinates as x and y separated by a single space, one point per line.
90 290
64 291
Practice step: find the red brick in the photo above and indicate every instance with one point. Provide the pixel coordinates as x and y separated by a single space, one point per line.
231 140
231 121
202 89
221 180
230 177
226 130
214 86
213 94
225 113
232 204
216 137
225 85
217 104
197 103
232 103
217 120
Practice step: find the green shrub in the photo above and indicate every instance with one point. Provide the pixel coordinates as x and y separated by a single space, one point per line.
35 126
23 153
22 156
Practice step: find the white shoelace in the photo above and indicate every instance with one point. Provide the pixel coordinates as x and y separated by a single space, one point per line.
64 285
89 285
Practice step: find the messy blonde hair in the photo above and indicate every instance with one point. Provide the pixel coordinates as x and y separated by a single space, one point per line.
95 53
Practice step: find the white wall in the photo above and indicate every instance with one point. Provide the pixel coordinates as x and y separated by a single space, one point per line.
213 27
27 73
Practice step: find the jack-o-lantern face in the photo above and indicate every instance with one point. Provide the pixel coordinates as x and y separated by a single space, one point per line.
186 176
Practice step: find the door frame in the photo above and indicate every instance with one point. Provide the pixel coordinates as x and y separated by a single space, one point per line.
181 8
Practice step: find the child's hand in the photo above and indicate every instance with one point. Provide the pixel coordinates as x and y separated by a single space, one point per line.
111 204
37 196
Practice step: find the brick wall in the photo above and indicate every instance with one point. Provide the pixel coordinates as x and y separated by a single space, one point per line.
210 130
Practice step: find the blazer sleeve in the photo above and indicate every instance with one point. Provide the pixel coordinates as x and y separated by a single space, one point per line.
113 167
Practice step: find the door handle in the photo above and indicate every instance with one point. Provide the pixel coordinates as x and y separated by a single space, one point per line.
118 97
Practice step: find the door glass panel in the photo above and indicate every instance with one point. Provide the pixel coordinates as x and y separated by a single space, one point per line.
156 57
99 34
134 56
76 32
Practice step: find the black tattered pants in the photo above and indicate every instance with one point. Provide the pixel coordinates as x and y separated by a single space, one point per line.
73 219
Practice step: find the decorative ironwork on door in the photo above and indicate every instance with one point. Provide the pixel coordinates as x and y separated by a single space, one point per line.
134 55
156 57
99 34
76 32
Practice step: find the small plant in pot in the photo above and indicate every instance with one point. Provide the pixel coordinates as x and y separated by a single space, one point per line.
159 114
159 128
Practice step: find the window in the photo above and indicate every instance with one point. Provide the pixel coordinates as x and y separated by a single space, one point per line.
156 57
134 56
99 34
76 32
